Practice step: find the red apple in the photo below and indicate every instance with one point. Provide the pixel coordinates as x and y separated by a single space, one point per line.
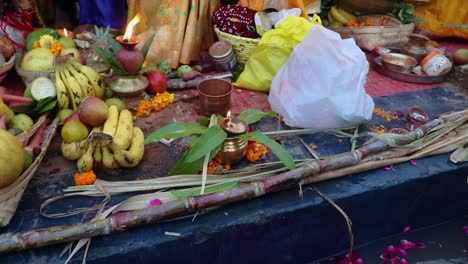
72 116
157 81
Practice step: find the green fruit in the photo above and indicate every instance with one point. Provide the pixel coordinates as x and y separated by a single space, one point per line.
38 59
28 160
21 121
117 102
36 35
11 158
40 88
67 42
74 131
182 69
64 113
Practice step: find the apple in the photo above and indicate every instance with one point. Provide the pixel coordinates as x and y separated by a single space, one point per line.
72 116
157 81
460 57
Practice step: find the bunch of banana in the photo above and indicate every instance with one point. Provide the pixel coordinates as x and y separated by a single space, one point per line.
339 17
74 82
127 147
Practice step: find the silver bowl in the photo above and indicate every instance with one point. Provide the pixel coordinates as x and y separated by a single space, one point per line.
398 62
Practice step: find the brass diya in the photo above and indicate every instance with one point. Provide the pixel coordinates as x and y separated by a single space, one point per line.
233 149
128 86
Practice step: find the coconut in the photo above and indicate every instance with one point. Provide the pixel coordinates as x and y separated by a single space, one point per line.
11 158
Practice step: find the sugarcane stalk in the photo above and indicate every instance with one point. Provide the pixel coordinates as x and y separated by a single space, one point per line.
124 221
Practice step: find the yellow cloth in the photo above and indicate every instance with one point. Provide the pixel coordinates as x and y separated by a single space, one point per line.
442 16
182 28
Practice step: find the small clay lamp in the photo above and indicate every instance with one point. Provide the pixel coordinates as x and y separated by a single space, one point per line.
66 33
233 126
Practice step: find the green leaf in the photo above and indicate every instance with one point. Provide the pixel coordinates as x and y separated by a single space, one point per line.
49 106
275 147
36 107
175 131
109 60
204 121
182 194
114 45
146 47
184 167
212 138
252 115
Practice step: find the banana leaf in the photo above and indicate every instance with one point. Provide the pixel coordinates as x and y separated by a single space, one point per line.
275 147
174 131
252 115
208 141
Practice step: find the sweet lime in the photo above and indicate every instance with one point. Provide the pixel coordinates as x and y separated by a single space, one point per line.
74 131
21 121
64 113
117 102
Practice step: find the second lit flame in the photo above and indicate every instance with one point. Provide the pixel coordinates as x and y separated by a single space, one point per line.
131 24
65 32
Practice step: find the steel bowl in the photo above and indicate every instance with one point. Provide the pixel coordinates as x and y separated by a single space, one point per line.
398 62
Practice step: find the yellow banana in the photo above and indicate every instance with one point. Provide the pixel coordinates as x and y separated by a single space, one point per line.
337 15
62 93
330 18
93 77
74 150
73 87
347 15
123 135
108 160
85 162
84 82
133 156
110 126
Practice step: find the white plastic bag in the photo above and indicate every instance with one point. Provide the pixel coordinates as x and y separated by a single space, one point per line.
322 84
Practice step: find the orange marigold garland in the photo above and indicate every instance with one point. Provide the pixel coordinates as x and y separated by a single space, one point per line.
256 151
159 102
84 178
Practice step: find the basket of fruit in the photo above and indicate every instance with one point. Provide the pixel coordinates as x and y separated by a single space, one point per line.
20 158
235 24
43 45
369 31
7 56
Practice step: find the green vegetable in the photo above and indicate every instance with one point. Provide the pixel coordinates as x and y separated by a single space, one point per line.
36 34
40 88
405 13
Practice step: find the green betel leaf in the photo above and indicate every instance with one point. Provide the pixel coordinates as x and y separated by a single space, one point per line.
182 194
184 167
252 115
175 131
146 47
109 60
275 147
211 139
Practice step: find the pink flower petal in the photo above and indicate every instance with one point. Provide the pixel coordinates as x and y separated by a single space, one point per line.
407 230
359 261
465 229
387 168
403 261
407 244
154 202
413 162
399 113
420 244
395 250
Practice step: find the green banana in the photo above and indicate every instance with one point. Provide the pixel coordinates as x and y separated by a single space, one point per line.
93 77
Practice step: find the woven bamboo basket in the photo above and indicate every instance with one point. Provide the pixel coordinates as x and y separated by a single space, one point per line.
243 47
11 195
387 32
29 76
6 67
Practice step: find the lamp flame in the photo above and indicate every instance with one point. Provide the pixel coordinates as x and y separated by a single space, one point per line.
65 32
131 24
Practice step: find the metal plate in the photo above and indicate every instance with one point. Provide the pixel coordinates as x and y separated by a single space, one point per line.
406 77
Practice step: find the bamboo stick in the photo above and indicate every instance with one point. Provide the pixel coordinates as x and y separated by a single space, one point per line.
124 221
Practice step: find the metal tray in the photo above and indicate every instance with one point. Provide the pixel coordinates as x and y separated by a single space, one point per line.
376 63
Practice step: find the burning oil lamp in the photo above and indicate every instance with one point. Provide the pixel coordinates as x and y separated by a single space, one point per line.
129 56
131 59
233 149
66 33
